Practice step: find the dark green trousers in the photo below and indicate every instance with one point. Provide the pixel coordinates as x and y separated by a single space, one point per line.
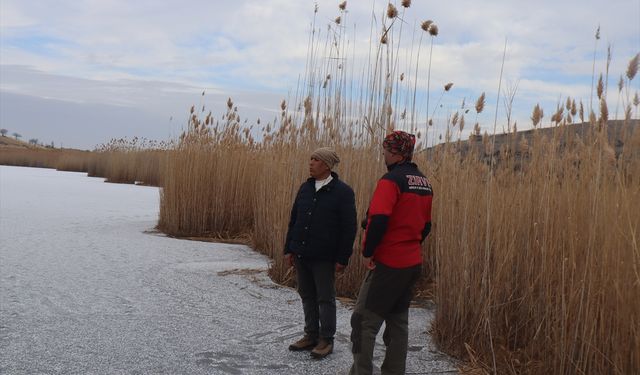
385 296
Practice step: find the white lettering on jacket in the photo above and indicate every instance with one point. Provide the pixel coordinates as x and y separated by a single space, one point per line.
418 182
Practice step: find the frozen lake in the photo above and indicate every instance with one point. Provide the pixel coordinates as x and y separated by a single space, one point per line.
88 288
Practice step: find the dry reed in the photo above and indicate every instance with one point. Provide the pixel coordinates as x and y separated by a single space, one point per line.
121 161
540 279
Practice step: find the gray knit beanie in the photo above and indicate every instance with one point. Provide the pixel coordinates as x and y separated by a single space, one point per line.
327 155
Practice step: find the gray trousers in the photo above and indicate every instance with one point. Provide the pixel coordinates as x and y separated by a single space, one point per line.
316 286
374 306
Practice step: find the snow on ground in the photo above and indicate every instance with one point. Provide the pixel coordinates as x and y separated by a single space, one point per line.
86 289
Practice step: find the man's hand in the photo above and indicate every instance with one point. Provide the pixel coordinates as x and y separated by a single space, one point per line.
368 263
288 259
340 268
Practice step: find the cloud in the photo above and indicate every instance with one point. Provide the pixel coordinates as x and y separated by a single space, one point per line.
84 113
157 57
13 17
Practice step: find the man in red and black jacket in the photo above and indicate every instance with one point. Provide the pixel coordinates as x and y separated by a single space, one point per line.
398 221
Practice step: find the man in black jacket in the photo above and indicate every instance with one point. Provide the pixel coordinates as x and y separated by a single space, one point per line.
319 243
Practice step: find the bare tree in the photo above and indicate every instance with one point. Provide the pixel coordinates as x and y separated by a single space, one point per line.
509 95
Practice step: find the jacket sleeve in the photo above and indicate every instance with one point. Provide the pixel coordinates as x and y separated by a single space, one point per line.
348 221
292 221
384 200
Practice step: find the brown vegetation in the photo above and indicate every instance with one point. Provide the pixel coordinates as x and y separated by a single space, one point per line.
534 256
534 250
121 161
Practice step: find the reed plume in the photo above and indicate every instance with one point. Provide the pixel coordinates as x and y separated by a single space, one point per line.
600 87
392 11
480 103
632 68
537 115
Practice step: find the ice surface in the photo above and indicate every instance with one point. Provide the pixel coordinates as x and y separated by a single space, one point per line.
85 288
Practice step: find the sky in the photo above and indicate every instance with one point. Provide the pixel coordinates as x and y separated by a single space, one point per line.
79 73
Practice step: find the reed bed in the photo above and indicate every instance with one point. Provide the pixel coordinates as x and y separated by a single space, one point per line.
534 257
63 159
136 160
536 267
194 201
120 161
534 251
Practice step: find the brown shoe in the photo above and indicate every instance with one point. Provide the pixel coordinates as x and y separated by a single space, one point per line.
305 343
323 349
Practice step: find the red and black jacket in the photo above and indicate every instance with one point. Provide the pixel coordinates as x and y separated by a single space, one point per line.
399 217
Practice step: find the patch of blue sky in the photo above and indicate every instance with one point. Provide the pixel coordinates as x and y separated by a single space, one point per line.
39 44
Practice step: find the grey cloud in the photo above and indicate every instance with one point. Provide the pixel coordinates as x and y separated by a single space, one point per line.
83 113
155 59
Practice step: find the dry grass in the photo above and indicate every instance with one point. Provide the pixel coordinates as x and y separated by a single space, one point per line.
120 161
537 265
69 160
533 259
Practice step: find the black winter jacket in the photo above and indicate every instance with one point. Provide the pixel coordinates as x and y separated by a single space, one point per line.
323 223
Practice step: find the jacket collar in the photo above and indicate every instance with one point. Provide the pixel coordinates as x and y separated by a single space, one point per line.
401 163
328 186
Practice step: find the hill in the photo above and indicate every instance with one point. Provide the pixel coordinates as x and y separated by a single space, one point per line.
618 131
16 143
